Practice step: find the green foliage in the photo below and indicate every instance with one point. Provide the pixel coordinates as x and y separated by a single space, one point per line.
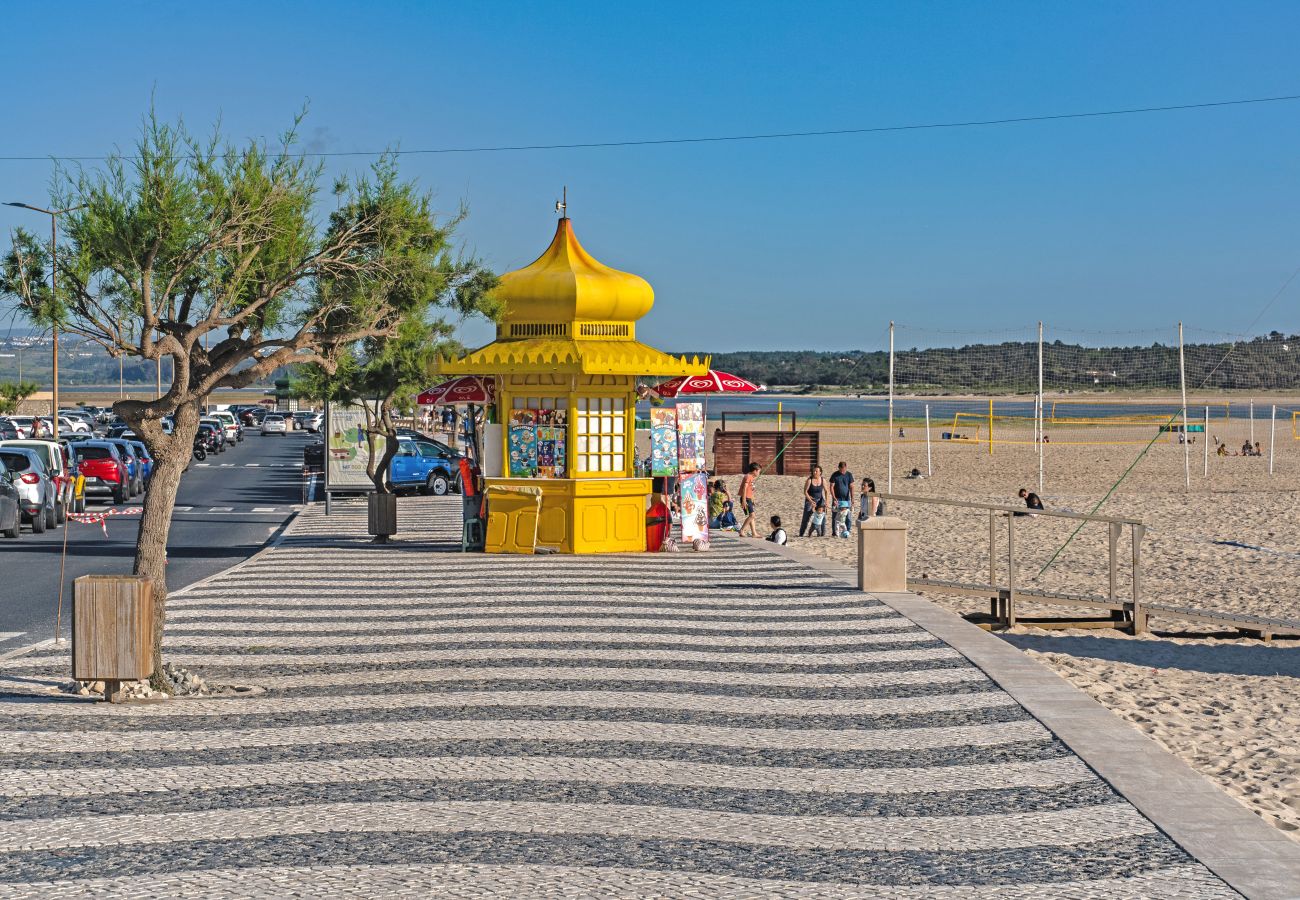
13 393
1261 363
385 372
212 254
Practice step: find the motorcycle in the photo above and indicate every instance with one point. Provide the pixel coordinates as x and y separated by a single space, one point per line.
200 449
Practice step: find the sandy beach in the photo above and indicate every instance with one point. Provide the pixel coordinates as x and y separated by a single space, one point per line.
1224 703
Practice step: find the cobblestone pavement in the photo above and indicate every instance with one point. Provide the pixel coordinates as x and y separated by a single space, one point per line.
729 724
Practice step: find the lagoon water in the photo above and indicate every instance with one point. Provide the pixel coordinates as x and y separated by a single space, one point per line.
877 408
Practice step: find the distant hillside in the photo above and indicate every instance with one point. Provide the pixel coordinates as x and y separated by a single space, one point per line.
1270 362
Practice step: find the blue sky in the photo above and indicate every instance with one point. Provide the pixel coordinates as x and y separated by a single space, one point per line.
1121 224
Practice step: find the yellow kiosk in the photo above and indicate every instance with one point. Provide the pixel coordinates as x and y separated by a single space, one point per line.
566 360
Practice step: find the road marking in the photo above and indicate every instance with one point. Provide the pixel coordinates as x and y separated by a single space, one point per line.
269 509
222 509
9 635
181 508
251 465
227 465
203 465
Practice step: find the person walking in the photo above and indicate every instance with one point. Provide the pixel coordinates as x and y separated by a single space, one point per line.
814 504
842 496
747 500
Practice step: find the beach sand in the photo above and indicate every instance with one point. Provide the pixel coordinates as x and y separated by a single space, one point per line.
1226 705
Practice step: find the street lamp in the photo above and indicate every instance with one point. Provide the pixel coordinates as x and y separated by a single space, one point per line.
54 283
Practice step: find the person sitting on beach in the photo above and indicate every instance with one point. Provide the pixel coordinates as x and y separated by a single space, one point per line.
1032 501
915 474
1222 451
778 533
869 505
1247 450
720 508
1258 451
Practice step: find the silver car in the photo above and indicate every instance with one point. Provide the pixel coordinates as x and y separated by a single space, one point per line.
35 489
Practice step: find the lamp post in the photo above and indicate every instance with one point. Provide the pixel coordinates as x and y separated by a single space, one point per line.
54 284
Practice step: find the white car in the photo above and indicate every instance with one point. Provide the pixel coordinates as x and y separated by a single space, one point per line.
23 424
35 489
54 458
230 425
274 424
314 422
76 416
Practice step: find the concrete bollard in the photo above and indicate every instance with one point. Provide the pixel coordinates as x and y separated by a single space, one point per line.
882 555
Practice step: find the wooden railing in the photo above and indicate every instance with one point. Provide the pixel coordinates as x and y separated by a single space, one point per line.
1005 594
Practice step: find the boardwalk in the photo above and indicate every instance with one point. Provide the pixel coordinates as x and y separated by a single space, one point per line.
730 724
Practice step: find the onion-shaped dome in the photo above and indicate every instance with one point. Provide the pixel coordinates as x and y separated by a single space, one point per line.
567 284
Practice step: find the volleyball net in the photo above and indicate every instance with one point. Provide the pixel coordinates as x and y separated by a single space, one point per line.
1038 386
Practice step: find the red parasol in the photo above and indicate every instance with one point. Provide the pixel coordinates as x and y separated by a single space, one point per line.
466 389
712 382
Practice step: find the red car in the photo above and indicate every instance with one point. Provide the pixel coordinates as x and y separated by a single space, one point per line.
104 470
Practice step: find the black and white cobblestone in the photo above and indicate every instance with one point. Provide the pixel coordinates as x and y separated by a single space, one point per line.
709 725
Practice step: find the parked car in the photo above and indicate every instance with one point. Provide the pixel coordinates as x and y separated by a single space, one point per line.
146 458
134 467
421 464
23 425
35 489
66 426
234 433
78 417
405 434
118 431
209 435
11 511
220 427
54 458
7 431
302 419
274 424
78 501
313 422
101 463
313 455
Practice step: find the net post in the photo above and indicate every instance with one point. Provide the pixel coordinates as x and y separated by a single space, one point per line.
890 478
1040 407
1272 438
1252 422
1205 444
1182 379
929 465
990 426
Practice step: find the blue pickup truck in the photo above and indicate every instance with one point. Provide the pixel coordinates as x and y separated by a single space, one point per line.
431 466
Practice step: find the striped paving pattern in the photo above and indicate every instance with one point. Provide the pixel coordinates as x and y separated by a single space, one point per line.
730 724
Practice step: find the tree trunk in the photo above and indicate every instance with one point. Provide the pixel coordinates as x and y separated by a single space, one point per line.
171 457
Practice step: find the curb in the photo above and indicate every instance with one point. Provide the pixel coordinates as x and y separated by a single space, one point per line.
1250 855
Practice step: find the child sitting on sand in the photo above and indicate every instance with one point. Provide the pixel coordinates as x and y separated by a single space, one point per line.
778 533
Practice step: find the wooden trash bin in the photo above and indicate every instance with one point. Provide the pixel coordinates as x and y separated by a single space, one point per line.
112 630
882 555
382 515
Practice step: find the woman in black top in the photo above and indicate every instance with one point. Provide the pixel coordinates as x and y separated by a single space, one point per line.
814 501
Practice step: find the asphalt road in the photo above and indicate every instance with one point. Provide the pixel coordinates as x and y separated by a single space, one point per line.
227 508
